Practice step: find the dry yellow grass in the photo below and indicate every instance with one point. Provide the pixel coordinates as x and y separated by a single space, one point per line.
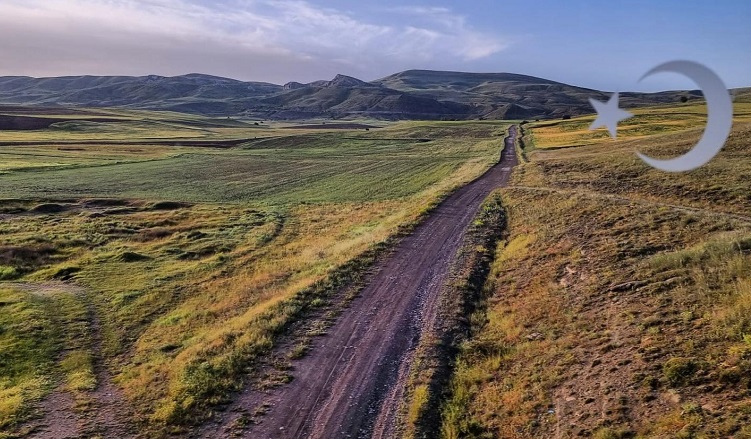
621 298
648 122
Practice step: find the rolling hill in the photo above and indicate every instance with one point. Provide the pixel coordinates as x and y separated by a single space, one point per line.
413 94
193 93
513 96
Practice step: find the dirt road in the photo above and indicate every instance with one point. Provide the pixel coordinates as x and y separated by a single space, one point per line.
340 387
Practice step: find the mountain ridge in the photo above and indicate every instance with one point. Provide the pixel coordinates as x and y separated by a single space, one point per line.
411 94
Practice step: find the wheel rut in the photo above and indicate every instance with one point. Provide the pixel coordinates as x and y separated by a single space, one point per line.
351 383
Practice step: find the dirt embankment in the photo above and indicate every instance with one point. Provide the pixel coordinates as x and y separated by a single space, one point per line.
424 381
341 389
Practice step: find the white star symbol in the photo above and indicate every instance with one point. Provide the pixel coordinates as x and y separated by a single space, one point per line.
608 114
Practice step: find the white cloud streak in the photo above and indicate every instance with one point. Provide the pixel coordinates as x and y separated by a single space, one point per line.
273 40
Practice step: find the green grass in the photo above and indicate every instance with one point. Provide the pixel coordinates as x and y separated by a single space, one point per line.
293 168
188 296
27 353
135 126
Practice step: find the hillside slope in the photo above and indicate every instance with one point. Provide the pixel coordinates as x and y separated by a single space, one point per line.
194 93
513 96
618 305
414 94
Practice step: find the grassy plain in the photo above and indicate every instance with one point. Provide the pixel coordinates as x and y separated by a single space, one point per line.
618 306
647 122
172 268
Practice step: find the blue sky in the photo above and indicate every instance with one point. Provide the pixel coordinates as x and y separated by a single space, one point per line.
603 45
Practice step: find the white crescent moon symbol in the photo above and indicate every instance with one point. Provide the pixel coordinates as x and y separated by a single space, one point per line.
719 117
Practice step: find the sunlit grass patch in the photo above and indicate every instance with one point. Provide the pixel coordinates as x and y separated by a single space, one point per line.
621 295
647 122
27 353
184 265
719 277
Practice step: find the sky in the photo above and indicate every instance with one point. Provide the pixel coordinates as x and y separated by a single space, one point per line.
601 45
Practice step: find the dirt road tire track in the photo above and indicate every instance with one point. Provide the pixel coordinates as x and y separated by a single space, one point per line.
59 417
339 388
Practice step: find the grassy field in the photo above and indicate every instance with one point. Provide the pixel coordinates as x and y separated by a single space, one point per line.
170 269
647 123
619 305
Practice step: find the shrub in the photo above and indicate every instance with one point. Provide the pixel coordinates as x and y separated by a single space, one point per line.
132 257
7 272
678 370
611 433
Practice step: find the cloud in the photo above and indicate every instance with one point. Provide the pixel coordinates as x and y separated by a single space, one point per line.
273 40
454 34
